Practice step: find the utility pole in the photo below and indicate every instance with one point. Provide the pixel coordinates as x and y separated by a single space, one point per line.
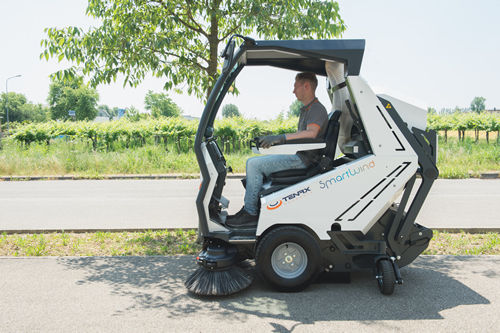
7 99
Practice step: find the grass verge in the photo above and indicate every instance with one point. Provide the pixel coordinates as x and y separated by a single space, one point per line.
147 243
154 243
456 159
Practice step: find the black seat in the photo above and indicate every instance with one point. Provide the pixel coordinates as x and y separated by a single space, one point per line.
323 162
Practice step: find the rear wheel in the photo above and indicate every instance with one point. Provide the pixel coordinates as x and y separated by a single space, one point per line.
386 278
288 258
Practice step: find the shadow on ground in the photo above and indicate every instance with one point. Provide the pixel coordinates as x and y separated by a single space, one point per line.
430 287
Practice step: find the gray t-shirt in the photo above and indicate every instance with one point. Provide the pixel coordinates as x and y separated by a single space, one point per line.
313 113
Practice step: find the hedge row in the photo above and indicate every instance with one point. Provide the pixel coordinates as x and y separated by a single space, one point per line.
232 131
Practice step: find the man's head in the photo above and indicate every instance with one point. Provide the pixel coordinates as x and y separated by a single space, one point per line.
305 87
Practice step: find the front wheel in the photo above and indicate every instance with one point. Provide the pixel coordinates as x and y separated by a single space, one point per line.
288 258
386 278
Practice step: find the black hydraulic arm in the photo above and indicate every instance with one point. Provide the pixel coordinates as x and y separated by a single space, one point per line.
427 155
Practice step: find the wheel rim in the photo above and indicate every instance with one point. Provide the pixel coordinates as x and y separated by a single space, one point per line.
289 260
380 277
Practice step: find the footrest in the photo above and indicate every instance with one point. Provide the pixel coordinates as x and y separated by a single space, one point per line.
242 240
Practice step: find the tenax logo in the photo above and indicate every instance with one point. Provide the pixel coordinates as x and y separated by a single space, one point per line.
289 198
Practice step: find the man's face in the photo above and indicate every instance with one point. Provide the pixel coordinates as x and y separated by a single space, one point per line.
299 90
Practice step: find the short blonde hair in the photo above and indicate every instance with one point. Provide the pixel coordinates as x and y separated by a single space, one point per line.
308 77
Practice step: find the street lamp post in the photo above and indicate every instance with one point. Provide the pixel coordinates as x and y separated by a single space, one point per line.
7 99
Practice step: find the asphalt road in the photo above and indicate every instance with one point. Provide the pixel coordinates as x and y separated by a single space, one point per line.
158 204
146 294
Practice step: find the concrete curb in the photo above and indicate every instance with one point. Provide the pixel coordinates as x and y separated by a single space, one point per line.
486 175
81 231
113 177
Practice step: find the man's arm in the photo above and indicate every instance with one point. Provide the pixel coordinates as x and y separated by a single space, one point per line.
311 132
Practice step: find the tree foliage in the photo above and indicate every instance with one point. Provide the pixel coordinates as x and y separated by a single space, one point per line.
294 109
179 39
20 109
72 96
477 104
230 110
161 105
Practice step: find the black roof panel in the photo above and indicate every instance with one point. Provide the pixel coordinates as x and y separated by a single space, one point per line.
307 55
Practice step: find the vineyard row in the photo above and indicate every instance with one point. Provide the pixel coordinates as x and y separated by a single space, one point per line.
234 130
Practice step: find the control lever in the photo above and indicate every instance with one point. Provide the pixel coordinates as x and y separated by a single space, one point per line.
254 145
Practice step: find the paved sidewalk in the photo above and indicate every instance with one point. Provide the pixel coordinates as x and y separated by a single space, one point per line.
146 294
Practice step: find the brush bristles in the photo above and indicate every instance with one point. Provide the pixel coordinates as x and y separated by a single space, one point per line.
217 283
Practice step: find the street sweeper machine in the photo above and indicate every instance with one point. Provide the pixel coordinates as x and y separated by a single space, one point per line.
353 208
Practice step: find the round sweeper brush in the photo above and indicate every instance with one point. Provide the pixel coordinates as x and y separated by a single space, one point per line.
211 282
217 275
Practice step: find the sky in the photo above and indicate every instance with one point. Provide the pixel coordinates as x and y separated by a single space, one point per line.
435 53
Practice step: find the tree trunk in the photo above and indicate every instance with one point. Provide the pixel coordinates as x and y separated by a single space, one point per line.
213 40
487 137
445 135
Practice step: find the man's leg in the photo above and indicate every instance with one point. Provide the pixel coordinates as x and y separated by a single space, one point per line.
256 169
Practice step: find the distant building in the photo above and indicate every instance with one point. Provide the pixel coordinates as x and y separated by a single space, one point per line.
495 111
189 117
103 113
101 119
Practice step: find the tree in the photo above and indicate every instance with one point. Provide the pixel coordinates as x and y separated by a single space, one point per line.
230 110
294 109
133 114
161 105
72 96
179 39
20 109
477 104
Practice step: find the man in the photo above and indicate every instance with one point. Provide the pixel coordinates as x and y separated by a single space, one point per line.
313 122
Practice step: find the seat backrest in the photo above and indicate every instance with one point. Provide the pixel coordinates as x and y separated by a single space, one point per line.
332 136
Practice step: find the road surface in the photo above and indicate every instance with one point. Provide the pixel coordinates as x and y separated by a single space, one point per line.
159 204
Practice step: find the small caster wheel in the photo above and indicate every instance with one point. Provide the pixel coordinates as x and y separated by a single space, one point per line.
386 278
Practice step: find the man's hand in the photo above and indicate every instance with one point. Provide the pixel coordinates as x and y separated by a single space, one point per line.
268 141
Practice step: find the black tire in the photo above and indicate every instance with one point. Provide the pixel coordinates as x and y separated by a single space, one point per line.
386 279
288 271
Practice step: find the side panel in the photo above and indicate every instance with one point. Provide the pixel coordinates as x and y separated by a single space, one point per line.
385 137
212 171
411 114
354 195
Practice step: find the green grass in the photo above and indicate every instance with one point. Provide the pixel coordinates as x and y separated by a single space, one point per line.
147 243
444 243
467 159
159 243
456 159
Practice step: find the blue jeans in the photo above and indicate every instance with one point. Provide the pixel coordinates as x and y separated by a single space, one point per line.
260 166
